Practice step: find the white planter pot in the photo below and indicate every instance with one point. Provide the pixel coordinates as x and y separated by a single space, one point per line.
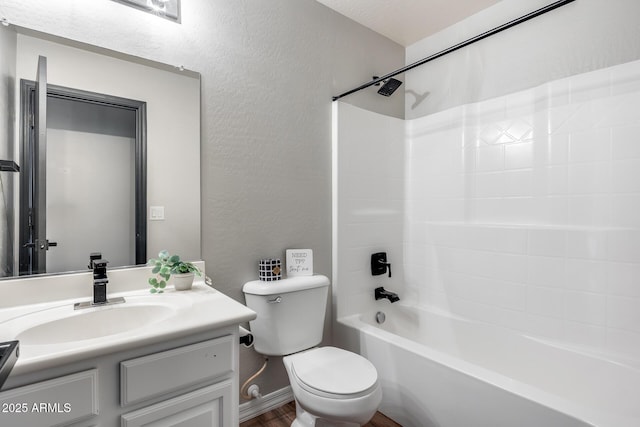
183 282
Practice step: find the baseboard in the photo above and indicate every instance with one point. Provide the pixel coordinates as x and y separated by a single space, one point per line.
266 403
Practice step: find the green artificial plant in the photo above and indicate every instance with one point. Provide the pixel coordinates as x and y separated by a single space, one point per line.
166 265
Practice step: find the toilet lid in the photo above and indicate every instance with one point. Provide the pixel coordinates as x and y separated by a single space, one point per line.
336 371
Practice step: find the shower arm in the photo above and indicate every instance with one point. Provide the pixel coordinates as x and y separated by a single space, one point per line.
460 45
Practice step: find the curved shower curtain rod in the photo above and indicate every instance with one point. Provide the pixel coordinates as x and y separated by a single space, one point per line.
460 45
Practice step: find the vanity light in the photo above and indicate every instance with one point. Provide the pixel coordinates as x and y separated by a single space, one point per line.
158 5
169 9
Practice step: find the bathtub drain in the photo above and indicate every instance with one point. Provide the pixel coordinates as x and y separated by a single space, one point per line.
380 317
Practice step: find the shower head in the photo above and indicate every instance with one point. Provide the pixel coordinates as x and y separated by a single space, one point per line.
389 87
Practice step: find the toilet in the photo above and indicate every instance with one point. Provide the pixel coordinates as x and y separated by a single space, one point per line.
331 386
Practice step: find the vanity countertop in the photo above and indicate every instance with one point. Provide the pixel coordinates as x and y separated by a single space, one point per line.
53 333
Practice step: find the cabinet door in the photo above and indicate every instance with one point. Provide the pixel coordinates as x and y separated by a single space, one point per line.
56 402
208 406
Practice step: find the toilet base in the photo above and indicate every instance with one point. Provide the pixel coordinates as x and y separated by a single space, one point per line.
305 419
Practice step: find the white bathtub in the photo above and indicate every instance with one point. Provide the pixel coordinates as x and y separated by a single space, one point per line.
439 371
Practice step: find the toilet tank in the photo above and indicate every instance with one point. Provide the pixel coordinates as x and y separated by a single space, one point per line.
290 313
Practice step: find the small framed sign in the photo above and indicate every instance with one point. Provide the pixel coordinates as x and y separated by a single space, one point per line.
299 262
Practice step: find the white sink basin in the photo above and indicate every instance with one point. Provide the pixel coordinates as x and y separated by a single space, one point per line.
63 324
95 323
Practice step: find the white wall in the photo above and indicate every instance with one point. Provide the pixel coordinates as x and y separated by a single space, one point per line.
581 36
522 210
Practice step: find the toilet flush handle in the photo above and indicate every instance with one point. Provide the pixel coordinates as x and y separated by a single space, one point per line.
276 300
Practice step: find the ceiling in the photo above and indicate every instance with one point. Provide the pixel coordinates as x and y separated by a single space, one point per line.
407 21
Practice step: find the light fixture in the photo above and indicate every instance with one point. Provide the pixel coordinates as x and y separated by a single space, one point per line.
158 5
169 9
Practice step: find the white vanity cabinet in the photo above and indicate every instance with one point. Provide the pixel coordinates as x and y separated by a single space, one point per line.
185 381
167 359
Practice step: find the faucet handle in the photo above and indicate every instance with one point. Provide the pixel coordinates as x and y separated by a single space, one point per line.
100 269
93 256
379 264
388 264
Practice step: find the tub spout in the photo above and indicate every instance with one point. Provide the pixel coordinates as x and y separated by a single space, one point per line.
382 293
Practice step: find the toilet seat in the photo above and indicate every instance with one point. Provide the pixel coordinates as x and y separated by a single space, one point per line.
334 373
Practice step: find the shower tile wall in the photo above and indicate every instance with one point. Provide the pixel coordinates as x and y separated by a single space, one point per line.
369 163
524 211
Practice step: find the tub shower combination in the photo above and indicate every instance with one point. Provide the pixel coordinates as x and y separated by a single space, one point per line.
511 313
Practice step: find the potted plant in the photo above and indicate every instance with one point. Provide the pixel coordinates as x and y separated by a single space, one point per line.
166 266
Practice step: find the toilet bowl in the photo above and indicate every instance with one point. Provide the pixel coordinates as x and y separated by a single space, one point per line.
332 387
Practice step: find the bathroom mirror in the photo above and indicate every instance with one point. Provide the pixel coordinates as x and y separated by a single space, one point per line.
166 100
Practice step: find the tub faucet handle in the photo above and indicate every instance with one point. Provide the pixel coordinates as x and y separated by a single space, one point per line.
388 266
379 264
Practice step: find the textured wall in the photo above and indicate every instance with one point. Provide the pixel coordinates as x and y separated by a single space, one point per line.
269 69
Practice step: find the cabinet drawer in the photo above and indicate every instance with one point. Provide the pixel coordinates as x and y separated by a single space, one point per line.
59 401
172 370
210 406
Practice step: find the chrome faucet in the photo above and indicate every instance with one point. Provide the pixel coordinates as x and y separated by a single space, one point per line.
100 280
381 293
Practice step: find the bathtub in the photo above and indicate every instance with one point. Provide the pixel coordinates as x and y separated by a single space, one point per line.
441 371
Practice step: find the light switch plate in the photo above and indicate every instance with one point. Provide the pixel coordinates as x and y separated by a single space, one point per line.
156 213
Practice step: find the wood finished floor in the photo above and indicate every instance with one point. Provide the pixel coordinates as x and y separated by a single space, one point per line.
284 416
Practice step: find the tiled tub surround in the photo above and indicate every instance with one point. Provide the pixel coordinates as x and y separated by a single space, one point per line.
522 211
519 211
